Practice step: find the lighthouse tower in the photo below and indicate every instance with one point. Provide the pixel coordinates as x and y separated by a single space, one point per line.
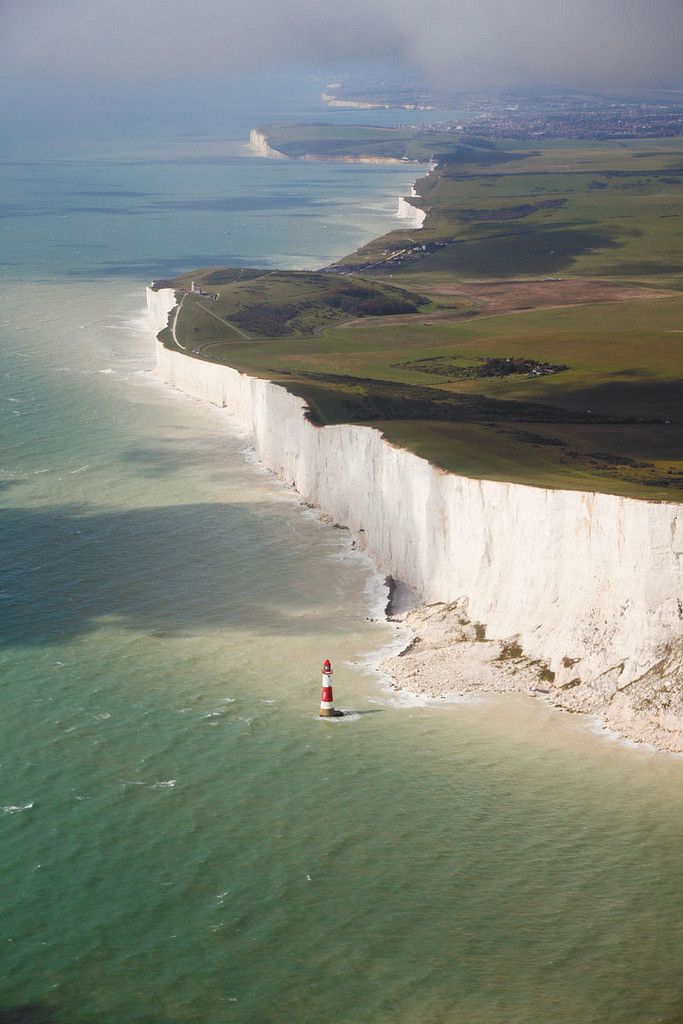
327 708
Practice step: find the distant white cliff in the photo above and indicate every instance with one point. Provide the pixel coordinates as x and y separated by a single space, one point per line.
407 211
590 583
258 144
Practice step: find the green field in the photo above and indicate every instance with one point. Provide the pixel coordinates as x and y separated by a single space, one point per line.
530 332
599 210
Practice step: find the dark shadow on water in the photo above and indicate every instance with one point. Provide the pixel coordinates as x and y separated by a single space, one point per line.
279 200
167 458
110 193
163 267
219 204
170 571
354 712
29 1013
34 1013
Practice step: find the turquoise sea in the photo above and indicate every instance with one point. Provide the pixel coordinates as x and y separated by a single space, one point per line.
182 840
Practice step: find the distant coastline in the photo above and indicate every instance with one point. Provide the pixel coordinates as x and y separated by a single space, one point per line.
259 144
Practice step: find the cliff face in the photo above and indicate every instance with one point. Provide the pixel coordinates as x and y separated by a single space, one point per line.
160 304
406 211
258 144
590 583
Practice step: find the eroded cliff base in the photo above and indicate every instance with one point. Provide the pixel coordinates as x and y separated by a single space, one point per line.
449 654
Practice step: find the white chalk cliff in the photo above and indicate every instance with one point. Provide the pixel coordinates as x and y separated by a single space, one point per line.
259 145
408 211
590 583
160 304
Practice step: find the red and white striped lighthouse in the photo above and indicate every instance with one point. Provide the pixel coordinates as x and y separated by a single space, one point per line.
327 708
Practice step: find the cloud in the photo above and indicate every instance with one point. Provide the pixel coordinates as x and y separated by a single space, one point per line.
460 43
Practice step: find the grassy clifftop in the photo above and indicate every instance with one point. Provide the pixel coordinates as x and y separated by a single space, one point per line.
530 332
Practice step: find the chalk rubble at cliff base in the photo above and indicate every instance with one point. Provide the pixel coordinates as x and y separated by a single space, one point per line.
449 654
589 585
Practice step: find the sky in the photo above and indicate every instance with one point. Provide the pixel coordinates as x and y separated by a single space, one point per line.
58 45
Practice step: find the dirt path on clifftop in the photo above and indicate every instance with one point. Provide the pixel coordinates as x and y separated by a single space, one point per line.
175 321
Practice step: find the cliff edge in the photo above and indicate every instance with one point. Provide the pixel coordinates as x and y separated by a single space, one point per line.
587 586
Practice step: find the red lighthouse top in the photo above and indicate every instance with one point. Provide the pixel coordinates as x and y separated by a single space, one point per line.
327 665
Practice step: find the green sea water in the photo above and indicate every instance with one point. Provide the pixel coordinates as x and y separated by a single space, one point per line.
182 840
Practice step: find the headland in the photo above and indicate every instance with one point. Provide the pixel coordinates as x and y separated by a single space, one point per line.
489 405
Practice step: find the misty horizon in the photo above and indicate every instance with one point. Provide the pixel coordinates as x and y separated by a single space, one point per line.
56 48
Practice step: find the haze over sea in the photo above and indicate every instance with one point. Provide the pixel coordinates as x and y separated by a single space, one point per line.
183 840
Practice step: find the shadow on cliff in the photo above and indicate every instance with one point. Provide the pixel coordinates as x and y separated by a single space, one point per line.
169 571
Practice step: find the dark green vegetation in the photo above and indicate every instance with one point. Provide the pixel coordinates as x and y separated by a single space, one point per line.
451 367
296 303
530 332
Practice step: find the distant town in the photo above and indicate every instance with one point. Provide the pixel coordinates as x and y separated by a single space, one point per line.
513 116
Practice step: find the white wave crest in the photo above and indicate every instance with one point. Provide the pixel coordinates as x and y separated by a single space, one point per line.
15 808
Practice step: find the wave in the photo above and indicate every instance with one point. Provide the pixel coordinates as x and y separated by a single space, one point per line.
15 808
